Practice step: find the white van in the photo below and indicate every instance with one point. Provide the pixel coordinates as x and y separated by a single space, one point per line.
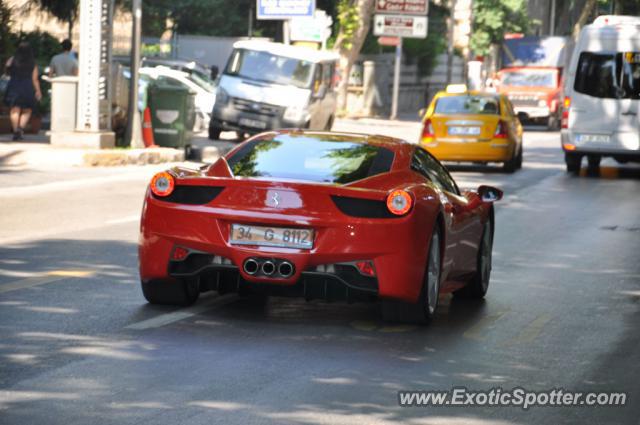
601 115
268 85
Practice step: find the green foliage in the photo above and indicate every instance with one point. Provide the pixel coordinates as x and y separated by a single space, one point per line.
348 21
6 41
63 10
494 18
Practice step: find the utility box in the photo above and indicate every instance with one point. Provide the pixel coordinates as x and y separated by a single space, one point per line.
64 92
173 114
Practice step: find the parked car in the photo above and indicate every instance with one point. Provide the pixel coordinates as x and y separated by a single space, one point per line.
601 111
268 86
205 93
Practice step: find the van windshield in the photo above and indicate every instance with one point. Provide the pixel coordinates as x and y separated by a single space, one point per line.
269 68
540 78
609 75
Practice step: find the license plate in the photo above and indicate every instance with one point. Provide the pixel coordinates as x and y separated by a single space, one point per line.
246 122
464 131
592 138
242 234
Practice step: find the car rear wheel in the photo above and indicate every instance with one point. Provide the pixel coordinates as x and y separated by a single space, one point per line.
171 292
593 161
511 165
479 283
573 162
423 311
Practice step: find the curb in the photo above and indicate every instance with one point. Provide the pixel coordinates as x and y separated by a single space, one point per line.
119 157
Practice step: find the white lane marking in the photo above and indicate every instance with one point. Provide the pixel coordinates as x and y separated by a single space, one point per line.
28 283
52 276
128 219
165 319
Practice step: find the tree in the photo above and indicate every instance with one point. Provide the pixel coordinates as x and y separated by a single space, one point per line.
354 20
587 11
63 10
492 19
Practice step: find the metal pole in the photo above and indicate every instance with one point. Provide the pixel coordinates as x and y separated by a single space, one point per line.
285 32
133 119
452 23
250 33
396 80
552 18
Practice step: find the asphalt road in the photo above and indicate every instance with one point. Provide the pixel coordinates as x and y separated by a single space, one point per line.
79 345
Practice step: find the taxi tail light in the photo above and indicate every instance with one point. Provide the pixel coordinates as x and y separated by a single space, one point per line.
399 202
501 130
366 268
427 130
565 112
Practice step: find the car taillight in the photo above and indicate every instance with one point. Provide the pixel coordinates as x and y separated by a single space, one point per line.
427 130
501 130
565 112
366 268
399 202
162 184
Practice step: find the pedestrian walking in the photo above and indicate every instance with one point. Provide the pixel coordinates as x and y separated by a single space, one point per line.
23 91
64 63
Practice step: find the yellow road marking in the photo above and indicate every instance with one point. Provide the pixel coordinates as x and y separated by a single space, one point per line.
477 331
49 277
531 331
362 325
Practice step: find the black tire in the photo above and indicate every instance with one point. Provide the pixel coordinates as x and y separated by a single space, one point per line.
573 162
477 287
329 125
214 132
519 158
593 161
423 311
511 165
167 292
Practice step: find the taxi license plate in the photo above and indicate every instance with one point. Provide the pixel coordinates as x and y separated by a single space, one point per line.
592 138
242 234
464 131
246 122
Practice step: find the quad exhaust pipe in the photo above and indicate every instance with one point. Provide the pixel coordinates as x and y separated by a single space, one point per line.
268 267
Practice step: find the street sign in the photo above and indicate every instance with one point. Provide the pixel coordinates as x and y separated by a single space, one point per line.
284 9
403 7
316 29
400 26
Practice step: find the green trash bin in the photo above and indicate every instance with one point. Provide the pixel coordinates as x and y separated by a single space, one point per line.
173 114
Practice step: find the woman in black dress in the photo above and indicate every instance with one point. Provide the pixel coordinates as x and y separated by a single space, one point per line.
23 90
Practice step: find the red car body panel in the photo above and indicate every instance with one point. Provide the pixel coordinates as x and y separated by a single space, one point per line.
397 247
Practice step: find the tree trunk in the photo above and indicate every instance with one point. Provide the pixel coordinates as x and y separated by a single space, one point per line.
588 9
70 29
349 47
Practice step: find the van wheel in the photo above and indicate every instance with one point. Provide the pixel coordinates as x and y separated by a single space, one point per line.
573 162
214 132
329 124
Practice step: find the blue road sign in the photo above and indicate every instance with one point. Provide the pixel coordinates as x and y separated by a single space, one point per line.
285 9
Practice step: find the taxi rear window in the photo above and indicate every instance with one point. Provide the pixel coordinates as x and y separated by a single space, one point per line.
468 104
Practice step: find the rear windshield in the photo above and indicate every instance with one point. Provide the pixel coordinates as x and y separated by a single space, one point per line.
310 158
467 104
609 75
529 79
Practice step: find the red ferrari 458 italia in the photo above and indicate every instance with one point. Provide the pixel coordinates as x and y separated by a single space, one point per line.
318 215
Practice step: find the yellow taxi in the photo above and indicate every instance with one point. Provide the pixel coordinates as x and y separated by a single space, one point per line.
472 126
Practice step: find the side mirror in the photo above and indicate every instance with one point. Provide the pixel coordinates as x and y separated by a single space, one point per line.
421 112
214 72
489 193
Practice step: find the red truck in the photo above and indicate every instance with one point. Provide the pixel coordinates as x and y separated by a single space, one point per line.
531 77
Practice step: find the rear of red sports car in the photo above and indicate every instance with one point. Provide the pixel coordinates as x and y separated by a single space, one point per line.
315 215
